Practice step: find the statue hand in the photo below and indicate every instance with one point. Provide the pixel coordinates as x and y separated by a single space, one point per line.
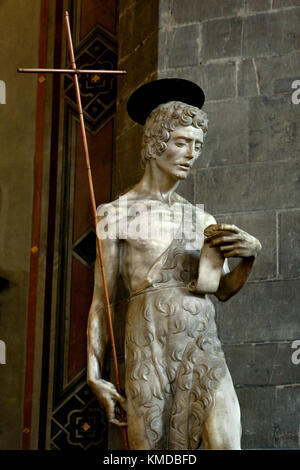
107 396
232 241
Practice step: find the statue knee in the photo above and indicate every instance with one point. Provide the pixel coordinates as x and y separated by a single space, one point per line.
222 433
222 442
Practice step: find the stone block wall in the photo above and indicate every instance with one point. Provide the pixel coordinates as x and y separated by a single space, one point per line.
138 54
245 54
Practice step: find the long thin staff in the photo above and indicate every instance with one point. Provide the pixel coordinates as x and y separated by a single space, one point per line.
93 201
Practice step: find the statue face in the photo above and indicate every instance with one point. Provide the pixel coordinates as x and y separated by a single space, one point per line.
184 147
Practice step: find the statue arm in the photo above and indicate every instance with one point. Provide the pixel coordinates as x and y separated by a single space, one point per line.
233 242
232 282
97 331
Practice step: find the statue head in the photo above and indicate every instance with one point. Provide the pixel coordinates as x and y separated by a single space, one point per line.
163 120
161 106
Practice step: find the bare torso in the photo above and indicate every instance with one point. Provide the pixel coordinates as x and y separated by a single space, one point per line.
146 228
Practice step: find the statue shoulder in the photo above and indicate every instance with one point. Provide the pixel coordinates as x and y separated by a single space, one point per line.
115 213
102 209
208 219
180 199
116 207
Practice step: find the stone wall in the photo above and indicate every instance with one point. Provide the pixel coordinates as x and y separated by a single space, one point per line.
138 49
245 54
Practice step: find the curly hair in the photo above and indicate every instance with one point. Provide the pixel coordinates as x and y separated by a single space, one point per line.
163 120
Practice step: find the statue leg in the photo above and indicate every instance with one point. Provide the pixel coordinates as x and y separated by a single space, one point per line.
155 437
222 429
137 437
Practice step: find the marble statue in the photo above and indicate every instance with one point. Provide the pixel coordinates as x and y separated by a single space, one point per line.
178 388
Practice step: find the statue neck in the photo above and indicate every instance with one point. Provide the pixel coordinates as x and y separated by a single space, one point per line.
156 183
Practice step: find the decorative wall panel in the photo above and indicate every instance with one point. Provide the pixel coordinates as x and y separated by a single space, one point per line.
98 50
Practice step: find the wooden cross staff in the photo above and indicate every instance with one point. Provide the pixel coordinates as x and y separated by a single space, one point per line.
75 72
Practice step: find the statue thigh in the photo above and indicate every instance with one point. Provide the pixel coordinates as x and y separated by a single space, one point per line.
222 429
138 438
